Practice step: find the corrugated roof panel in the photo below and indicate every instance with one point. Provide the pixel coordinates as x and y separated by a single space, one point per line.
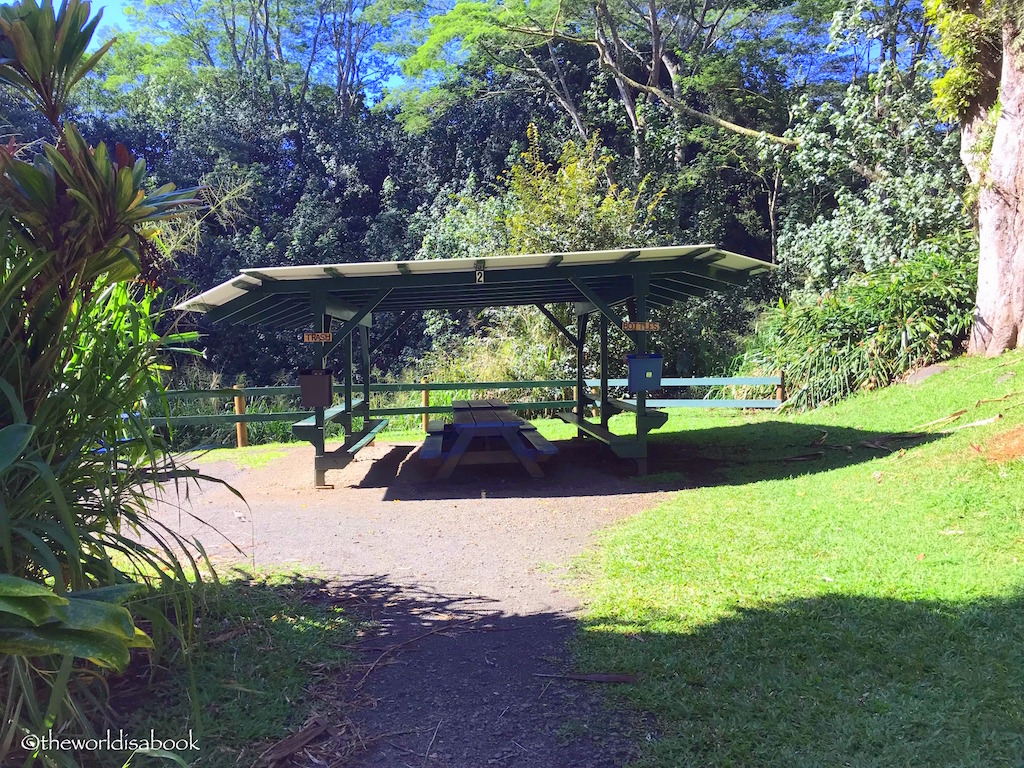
355 281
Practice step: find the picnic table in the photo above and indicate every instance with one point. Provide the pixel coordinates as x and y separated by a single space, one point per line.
485 432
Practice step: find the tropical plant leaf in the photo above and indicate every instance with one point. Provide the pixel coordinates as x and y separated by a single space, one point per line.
14 438
12 586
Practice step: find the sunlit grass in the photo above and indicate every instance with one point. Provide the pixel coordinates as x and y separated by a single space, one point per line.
864 608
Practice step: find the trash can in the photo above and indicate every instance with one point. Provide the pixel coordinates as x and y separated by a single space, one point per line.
644 372
316 388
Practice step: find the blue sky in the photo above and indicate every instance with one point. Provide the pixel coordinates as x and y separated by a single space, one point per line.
112 15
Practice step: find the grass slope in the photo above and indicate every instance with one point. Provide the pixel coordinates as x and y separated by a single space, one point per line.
860 608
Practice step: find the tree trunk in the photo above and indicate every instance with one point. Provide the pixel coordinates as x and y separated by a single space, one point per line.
999 315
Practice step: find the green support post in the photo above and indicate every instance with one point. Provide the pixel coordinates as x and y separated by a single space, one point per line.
641 285
364 348
581 397
318 306
346 347
605 415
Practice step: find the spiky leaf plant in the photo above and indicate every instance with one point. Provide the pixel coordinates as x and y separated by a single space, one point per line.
79 352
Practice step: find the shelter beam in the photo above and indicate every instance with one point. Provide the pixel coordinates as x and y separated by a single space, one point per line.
602 306
557 323
363 311
391 331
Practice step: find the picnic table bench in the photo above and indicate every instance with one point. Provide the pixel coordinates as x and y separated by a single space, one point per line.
479 425
323 460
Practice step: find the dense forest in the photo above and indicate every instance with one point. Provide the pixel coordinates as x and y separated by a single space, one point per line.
808 134
871 150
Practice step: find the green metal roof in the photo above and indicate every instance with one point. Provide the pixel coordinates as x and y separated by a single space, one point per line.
283 297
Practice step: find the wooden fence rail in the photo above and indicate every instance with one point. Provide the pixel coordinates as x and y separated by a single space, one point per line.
241 417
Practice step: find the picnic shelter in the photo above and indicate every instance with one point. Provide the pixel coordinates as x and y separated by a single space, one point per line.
329 305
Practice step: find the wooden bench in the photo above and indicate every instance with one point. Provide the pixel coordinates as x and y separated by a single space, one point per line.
624 447
306 429
541 445
433 446
364 438
652 418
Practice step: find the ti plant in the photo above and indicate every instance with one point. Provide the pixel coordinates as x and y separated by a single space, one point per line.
79 352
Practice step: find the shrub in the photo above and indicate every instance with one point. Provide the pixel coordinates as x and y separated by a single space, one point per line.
872 329
79 351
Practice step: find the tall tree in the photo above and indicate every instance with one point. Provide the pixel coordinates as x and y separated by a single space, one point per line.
985 89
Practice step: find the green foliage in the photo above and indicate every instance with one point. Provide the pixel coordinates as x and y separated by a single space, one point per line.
269 650
872 328
79 351
968 33
42 53
88 624
541 207
873 178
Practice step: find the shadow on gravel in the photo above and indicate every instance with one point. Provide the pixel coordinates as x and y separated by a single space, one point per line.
299 671
450 676
724 455
831 680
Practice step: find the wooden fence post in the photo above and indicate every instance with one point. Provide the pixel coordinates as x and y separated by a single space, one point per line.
426 404
780 389
241 433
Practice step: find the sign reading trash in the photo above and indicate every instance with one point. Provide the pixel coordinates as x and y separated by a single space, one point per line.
646 327
316 336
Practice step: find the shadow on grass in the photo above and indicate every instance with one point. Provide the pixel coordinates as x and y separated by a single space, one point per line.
721 455
426 672
832 680
267 653
835 680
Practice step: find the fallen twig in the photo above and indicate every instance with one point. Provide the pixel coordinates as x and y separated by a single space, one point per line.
287 747
979 423
597 677
944 419
430 746
806 456
1000 399
230 634
882 443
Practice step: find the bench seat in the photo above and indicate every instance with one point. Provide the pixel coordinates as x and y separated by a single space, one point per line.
364 438
539 444
652 417
306 429
433 446
624 447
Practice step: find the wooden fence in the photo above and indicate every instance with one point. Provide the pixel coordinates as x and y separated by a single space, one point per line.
240 417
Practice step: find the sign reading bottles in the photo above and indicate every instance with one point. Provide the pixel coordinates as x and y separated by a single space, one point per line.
646 327
315 336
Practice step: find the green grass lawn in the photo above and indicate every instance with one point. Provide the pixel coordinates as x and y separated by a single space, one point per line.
267 654
860 608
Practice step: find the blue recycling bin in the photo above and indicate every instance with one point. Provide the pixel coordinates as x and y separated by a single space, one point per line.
644 372
316 388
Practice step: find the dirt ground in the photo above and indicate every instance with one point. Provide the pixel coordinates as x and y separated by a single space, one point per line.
469 573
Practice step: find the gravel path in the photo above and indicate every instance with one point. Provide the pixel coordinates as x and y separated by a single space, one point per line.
469 574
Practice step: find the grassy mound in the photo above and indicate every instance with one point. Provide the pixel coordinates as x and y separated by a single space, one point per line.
843 587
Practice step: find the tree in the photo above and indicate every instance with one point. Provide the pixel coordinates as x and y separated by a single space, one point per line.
985 89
